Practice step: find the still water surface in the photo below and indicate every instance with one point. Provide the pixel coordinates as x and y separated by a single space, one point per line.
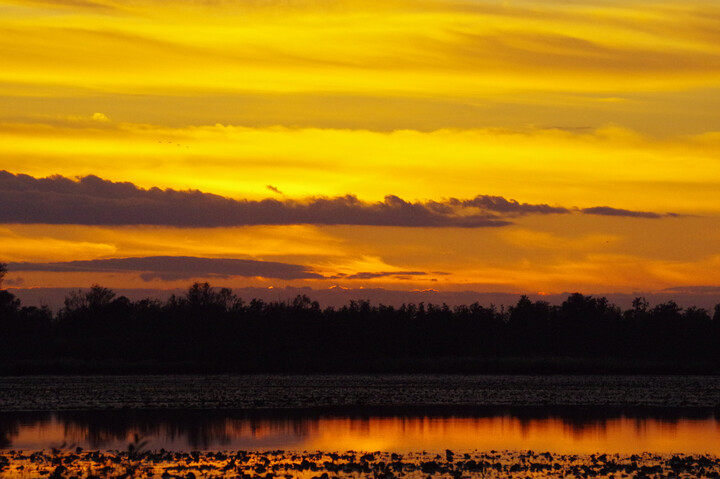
576 432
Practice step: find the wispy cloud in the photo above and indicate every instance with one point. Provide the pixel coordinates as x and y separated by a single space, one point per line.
14 282
170 268
694 289
381 274
609 211
537 45
67 4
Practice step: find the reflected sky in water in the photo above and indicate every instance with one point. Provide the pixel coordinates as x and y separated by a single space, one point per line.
579 431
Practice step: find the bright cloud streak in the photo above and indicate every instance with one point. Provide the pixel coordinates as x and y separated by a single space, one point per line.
430 47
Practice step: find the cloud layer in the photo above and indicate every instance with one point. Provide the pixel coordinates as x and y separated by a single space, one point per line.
466 44
91 200
170 268
609 211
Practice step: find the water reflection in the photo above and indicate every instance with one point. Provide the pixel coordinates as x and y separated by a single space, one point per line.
577 431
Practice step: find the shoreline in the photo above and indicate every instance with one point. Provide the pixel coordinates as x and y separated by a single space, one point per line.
54 393
529 366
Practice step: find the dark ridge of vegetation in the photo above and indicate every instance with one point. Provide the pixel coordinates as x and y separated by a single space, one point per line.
209 330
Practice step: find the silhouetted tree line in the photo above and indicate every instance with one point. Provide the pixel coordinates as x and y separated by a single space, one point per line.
209 329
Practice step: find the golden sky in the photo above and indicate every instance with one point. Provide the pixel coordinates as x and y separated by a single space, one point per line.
518 146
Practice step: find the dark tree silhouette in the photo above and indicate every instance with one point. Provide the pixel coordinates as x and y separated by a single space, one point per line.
9 305
96 298
212 330
23 330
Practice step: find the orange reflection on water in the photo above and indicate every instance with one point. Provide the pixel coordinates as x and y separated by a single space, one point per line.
620 435
625 435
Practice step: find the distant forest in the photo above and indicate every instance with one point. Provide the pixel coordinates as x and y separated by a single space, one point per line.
213 331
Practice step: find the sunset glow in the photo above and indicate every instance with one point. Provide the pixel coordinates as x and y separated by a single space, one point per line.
519 146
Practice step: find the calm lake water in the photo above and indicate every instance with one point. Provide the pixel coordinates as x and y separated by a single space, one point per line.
561 414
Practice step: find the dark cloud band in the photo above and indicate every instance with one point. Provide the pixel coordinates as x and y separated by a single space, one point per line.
170 268
94 201
176 268
608 211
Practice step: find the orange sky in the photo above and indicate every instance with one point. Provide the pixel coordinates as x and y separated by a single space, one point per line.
598 118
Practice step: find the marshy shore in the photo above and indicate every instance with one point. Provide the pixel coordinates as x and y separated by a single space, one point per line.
135 462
